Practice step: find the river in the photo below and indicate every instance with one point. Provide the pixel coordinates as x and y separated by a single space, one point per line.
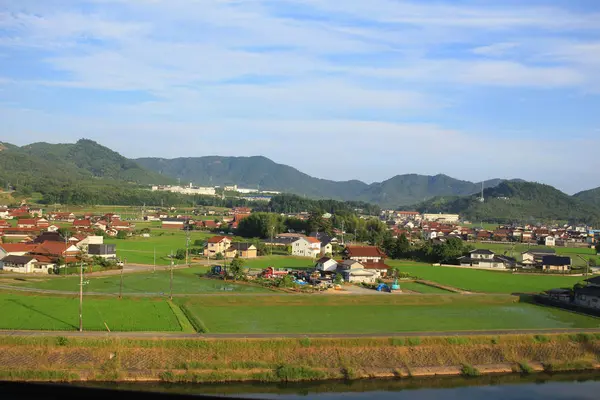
585 386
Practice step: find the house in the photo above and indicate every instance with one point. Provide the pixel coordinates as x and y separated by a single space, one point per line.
106 251
83 243
534 257
102 225
49 237
484 235
243 250
82 224
120 225
55 250
483 258
217 245
173 223
26 223
589 295
353 271
53 228
448 218
326 264
550 241
364 254
21 264
63 216
15 249
556 263
306 247
4 224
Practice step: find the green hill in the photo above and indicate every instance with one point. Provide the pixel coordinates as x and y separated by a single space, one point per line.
260 172
99 161
517 201
591 197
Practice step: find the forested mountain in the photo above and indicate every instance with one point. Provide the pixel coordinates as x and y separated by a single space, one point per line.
99 161
591 196
260 172
516 201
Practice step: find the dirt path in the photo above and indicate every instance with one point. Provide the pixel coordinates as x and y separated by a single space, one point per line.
172 335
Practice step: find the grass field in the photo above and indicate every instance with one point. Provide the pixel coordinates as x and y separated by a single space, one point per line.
185 281
421 288
487 281
61 313
370 314
280 262
139 250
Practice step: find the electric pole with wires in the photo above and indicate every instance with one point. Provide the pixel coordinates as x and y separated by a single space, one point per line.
171 281
81 297
121 285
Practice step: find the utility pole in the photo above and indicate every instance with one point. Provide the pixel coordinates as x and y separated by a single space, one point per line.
171 281
187 246
121 285
81 297
154 269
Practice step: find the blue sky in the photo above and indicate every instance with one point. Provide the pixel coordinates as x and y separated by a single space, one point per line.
338 89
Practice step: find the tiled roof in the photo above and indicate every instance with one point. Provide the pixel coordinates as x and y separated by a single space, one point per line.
364 251
17 247
218 239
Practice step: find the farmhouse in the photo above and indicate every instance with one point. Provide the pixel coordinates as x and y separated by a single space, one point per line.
243 250
82 224
353 271
306 247
364 254
589 295
217 245
556 263
21 264
326 264
106 251
534 257
484 258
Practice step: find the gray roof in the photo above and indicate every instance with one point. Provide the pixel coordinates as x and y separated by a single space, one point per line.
241 246
481 251
17 259
540 251
556 261
595 280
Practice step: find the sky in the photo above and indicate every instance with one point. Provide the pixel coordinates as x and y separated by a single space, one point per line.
351 89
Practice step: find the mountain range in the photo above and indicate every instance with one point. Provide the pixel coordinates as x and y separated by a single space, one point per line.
260 172
43 167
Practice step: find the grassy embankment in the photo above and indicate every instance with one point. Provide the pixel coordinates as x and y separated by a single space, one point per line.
487 281
294 314
277 360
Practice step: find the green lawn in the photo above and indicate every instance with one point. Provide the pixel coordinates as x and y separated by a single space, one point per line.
185 281
376 314
62 313
421 288
487 281
280 262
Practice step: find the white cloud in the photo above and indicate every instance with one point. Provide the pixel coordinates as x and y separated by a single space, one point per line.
495 50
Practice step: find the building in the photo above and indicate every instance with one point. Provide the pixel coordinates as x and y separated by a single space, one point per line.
483 258
444 218
82 224
173 223
20 264
306 247
534 257
26 223
326 264
355 272
364 254
15 249
589 295
106 251
205 191
243 250
550 241
85 242
556 263
217 245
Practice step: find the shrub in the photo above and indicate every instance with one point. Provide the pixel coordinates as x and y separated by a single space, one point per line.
582 337
495 340
525 368
457 340
288 373
62 341
541 339
397 341
305 342
414 341
469 370
348 373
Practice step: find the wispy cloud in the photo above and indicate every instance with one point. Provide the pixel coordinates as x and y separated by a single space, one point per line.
370 78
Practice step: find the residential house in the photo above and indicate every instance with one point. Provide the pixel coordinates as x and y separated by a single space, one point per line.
484 235
484 258
49 237
243 250
106 251
20 264
448 218
364 254
119 225
589 295
550 241
4 224
534 257
84 242
217 245
527 236
15 249
326 264
82 224
173 223
102 225
35 212
556 263
62 216
306 247
26 223
53 228
353 271
500 235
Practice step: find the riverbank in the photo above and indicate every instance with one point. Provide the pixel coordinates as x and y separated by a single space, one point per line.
289 360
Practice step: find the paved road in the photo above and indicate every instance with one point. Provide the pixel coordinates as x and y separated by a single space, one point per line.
172 335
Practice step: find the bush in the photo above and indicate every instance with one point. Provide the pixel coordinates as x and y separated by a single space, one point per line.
541 339
397 341
469 370
62 341
525 368
457 340
414 341
288 373
305 342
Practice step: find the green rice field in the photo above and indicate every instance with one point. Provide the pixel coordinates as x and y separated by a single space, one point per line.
375 314
421 288
29 312
185 281
488 281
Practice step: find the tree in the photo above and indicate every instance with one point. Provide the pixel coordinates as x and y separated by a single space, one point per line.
598 248
236 267
121 235
402 246
338 280
180 254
